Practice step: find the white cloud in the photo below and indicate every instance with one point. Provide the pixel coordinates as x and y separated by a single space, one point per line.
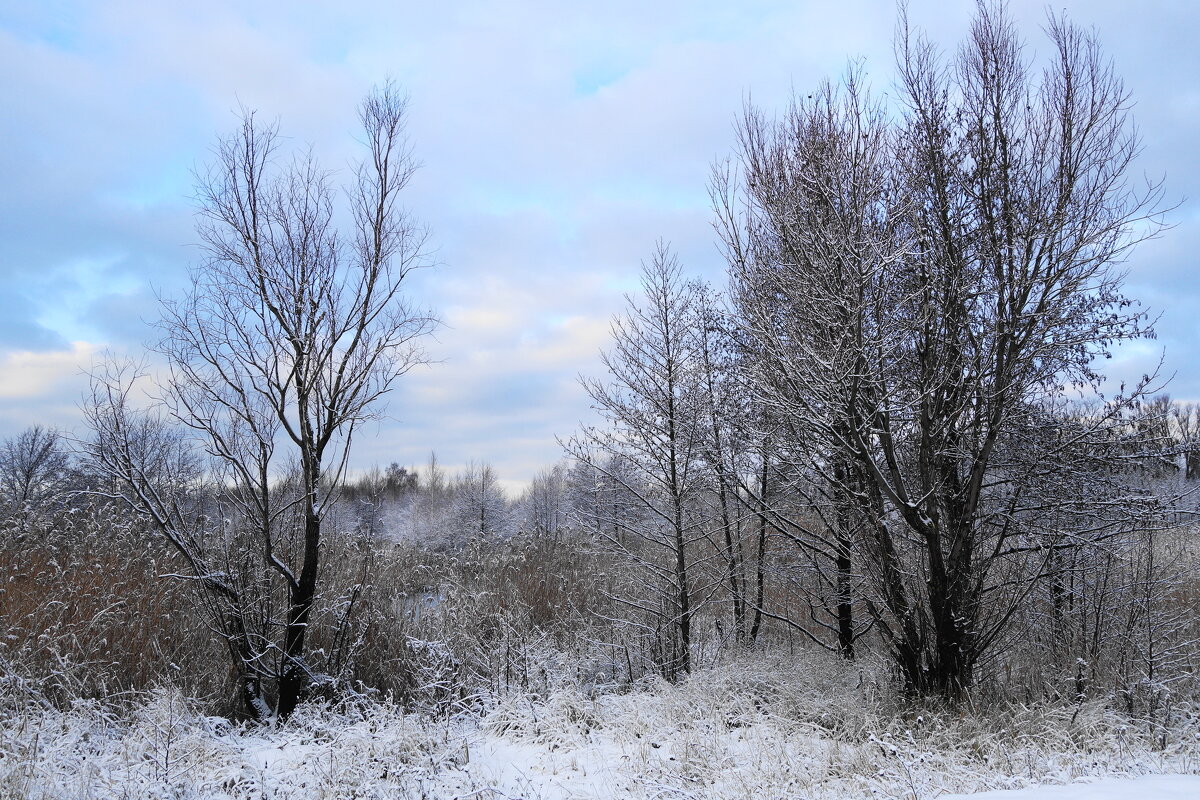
39 376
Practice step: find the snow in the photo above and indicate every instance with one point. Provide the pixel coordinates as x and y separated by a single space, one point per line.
1147 787
773 729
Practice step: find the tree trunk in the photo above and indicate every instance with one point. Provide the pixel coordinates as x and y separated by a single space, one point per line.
843 533
759 564
685 606
296 680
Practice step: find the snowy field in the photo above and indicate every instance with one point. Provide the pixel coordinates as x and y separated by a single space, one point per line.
1149 787
767 729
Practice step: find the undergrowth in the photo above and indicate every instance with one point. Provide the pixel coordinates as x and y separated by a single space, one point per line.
763 726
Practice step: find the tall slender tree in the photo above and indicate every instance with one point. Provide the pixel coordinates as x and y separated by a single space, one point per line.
291 335
652 449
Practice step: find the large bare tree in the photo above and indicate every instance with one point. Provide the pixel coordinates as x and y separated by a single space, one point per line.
921 285
290 336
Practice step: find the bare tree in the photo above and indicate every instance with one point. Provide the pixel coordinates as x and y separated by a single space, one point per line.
544 504
480 508
652 450
811 248
33 473
921 288
739 477
286 343
718 411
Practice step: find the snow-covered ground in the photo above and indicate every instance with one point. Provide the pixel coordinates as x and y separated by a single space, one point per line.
772 728
1147 787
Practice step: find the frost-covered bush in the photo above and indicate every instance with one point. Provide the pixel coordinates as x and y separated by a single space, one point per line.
815 726
762 726
164 748
442 631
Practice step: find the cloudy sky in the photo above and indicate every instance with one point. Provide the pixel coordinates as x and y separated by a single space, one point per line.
559 141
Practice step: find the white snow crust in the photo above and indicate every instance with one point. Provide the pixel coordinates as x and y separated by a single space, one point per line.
1147 787
775 729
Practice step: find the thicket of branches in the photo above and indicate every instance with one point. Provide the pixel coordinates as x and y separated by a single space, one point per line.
416 604
901 389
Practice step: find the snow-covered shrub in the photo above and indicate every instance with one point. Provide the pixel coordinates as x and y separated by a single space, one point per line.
761 726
